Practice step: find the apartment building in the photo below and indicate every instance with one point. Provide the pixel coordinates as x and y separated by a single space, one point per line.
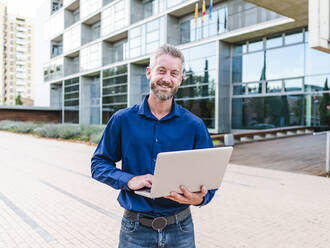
16 58
246 67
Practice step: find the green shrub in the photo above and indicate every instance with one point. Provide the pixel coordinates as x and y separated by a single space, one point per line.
91 133
69 131
7 125
88 130
48 130
25 127
95 138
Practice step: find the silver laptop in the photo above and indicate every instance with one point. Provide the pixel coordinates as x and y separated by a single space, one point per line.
191 168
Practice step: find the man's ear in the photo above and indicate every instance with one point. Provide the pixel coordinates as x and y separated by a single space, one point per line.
148 72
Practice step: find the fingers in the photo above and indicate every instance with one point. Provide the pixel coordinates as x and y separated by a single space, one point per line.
203 191
188 197
185 192
139 182
178 198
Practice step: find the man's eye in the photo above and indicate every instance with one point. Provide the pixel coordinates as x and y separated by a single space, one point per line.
162 71
175 74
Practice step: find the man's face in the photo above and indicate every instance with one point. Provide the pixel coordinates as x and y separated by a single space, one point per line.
165 76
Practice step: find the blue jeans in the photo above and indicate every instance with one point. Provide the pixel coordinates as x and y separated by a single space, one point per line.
178 235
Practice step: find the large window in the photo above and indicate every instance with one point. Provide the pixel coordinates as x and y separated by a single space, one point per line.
218 23
114 91
71 100
115 17
90 57
153 7
146 38
197 91
53 70
279 81
72 39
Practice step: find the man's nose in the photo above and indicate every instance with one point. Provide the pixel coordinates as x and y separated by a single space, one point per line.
167 77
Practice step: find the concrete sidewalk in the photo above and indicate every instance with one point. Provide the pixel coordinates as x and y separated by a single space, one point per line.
47 199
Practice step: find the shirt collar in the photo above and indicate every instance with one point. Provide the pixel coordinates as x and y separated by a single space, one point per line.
145 110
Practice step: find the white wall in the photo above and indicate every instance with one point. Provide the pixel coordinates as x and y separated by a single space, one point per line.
41 55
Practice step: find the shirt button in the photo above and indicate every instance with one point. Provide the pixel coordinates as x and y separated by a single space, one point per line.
156 140
154 160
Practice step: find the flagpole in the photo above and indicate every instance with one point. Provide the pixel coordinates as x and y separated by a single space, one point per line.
196 19
203 14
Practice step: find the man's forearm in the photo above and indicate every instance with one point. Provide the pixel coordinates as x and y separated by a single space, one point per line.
107 173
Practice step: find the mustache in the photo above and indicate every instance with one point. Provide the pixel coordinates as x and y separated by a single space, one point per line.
163 83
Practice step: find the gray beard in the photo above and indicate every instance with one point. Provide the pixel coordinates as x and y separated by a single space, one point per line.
161 96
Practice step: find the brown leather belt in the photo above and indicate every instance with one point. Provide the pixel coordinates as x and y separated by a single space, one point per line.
157 223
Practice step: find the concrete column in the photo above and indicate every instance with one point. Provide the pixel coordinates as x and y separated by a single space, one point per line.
90 104
224 98
136 80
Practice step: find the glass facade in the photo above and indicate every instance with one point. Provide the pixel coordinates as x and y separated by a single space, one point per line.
225 17
114 18
217 24
88 7
71 100
146 38
72 39
153 7
279 81
55 25
272 81
90 57
119 51
53 70
114 91
197 91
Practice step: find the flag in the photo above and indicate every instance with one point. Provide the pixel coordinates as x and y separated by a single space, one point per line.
210 9
196 14
203 11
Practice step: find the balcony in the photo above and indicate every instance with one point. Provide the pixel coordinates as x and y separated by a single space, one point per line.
90 29
57 46
71 14
71 64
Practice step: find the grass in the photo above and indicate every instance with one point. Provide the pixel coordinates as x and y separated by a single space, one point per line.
89 133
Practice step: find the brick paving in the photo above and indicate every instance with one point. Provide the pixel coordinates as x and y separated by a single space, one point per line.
47 199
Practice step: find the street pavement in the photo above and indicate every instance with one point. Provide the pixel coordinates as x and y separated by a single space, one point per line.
48 199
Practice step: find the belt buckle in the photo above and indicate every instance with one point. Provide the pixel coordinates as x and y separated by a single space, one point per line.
159 223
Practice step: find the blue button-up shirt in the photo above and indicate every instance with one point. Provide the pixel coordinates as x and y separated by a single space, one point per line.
135 136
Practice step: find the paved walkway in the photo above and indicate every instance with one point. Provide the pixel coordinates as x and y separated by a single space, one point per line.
47 199
301 154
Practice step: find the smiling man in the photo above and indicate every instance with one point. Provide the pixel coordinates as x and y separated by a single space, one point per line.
135 136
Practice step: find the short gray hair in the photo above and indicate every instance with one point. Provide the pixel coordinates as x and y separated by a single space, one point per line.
169 50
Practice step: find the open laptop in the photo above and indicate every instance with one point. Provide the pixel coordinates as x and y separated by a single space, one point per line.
191 168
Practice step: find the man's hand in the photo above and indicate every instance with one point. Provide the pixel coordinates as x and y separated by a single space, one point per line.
139 182
188 197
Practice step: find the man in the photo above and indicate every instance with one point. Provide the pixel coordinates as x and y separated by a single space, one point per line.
135 136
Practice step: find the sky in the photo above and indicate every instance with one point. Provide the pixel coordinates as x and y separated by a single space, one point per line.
26 8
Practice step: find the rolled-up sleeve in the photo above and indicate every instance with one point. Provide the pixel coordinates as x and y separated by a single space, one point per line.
107 153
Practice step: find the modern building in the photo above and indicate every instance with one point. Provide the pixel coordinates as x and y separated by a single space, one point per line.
246 67
16 58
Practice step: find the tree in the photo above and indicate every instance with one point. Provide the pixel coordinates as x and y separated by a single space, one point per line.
18 100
